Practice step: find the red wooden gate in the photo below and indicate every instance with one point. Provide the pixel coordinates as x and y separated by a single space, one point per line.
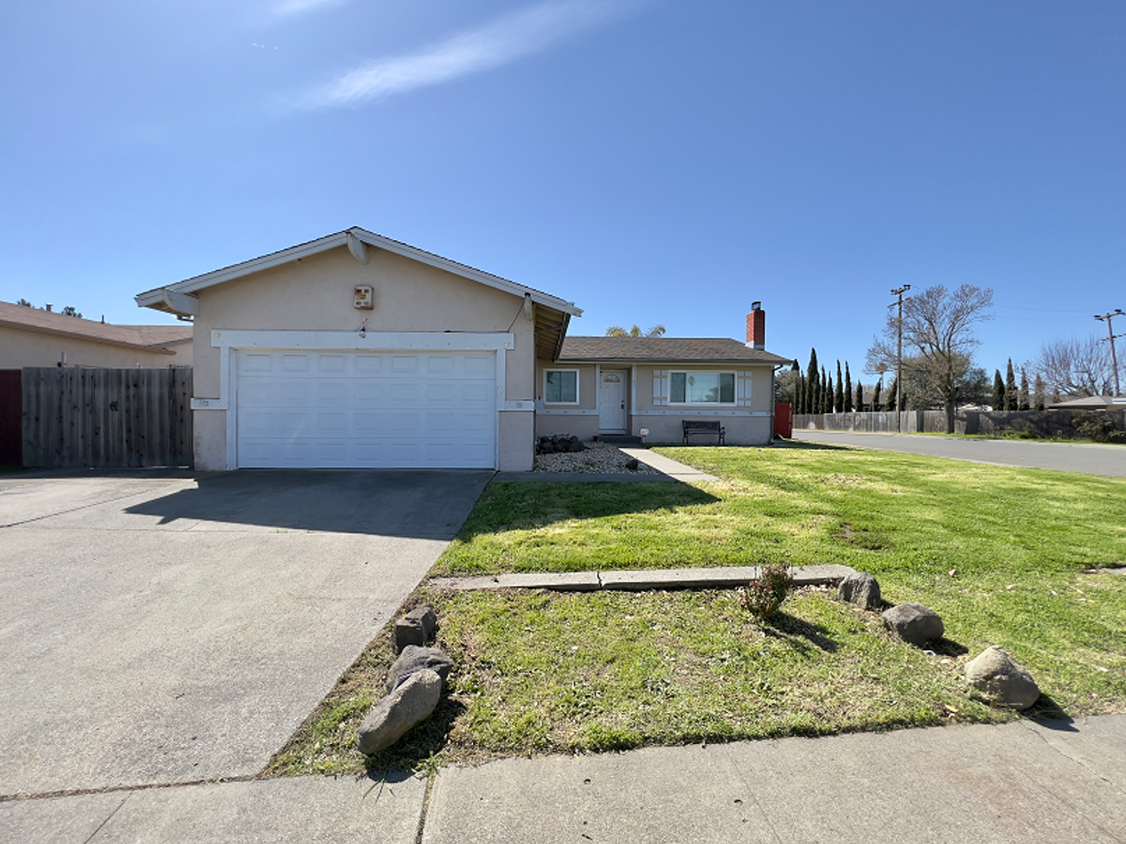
784 420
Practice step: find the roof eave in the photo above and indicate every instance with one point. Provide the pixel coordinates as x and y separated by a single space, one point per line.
156 299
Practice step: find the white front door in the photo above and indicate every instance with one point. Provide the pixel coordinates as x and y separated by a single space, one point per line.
612 400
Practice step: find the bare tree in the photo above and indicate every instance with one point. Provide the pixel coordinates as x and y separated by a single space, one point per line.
618 331
1075 368
938 328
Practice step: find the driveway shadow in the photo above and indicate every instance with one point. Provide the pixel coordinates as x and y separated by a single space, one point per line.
421 504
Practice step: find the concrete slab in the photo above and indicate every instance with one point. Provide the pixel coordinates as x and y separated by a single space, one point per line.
577 581
336 811
658 795
308 809
139 652
719 577
725 577
954 784
60 820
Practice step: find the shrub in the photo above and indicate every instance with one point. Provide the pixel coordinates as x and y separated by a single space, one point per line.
765 593
1099 428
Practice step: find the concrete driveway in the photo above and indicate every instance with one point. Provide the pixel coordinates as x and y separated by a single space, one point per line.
1085 458
160 630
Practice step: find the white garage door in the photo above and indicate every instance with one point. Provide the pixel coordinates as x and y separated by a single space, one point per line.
352 410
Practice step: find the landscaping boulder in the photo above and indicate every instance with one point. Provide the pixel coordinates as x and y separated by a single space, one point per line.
862 589
1001 678
914 623
415 628
391 718
414 659
633 464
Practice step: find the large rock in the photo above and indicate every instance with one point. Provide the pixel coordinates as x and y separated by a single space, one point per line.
415 628
391 718
914 623
862 589
1001 678
414 659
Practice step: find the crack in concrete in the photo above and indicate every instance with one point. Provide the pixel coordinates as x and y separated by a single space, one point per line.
1040 735
109 817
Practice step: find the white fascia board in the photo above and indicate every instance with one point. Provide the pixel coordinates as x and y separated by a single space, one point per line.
374 341
266 262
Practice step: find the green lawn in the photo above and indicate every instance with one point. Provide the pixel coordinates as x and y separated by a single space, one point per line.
1000 553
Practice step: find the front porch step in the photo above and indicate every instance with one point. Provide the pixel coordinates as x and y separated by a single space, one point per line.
618 439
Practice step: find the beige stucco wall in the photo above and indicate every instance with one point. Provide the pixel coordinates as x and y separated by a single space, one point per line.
19 348
747 425
579 420
316 294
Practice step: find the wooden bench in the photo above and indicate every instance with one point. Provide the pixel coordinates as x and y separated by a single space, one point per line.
692 427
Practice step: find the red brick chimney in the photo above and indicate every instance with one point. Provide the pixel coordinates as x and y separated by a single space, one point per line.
756 326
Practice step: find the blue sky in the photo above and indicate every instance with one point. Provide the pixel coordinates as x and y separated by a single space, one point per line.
653 161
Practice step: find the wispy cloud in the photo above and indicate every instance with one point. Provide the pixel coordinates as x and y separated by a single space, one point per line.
290 8
504 40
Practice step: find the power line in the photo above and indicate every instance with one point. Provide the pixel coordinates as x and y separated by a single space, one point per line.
899 358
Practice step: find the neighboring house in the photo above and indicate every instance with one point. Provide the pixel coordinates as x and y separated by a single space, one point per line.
33 337
647 386
356 350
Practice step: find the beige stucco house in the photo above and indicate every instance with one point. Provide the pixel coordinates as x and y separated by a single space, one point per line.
34 337
356 350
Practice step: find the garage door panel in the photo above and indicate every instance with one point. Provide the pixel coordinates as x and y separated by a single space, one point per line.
393 409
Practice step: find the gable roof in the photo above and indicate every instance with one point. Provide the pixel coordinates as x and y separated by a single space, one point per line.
152 338
552 318
663 350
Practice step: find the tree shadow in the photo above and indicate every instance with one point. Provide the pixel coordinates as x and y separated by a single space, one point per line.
799 632
419 745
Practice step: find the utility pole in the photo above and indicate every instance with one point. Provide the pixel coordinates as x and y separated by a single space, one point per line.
899 359
1110 337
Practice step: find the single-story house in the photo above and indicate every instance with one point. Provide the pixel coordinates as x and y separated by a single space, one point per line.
355 350
33 337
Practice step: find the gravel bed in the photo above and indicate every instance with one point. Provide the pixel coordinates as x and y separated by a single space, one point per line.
598 458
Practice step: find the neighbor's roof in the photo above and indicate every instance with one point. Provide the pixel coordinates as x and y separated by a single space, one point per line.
153 338
180 298
1091 403
663 350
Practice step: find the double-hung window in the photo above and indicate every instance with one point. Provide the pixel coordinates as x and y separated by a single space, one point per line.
702 387
561 386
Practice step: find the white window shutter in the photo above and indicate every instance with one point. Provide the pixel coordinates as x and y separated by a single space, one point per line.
659 387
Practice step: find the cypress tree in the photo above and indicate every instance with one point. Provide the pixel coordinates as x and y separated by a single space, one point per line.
876 394
811 383
859 396
825 400
838 396
848 392
998 391
1025 400
893 395
1010 387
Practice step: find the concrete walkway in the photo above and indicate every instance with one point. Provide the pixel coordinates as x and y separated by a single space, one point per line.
1085 458
1022 782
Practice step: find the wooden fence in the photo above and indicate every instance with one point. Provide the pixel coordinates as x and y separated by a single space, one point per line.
107 418
1035 423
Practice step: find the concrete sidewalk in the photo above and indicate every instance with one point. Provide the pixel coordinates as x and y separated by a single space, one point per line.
1020 782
